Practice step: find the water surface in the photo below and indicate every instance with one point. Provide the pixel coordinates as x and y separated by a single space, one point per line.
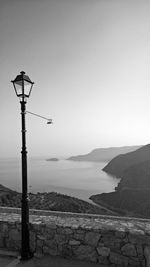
79 179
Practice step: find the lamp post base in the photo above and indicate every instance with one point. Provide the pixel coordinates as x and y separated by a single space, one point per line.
26 256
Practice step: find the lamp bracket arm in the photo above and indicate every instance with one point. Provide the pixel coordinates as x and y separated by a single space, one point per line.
37 115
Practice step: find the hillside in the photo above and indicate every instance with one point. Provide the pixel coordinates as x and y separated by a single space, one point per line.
4 190
129 202
136 177
119 164
103 154
50 201
133 190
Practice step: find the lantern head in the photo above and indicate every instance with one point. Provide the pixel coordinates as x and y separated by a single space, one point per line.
23 86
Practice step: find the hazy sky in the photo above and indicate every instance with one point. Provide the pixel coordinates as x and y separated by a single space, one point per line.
90 61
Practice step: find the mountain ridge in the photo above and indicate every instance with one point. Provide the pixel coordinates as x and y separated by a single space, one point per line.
103 154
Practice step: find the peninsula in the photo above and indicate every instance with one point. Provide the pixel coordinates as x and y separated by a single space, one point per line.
133 190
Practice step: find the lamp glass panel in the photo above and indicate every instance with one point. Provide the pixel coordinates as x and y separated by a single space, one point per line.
18 88
27 88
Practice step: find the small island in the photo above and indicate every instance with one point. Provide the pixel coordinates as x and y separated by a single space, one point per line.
53 159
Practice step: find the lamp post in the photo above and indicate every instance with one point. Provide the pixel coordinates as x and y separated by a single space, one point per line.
23 87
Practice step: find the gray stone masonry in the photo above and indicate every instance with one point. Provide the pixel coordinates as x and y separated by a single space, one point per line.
109 240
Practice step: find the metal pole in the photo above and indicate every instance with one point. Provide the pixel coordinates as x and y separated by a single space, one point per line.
25 246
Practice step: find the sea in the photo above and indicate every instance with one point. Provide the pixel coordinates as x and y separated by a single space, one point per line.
77 179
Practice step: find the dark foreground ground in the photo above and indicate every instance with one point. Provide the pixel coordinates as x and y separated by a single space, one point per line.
46 261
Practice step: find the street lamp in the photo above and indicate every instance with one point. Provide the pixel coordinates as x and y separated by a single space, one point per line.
23 87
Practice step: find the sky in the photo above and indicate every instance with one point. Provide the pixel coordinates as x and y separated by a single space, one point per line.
90 61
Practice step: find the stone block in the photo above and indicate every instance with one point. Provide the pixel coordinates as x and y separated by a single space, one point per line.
68 231
60 230
80 231
118 259
79 237
37 227
147 255
50 235
2 243
111 241
15 235
60 239
139 250
52 226
125 240
139 239
11 225
32 240
143 263
75 226
112 244
137 232
101 244
129 250
53 251
4 229
103 260
50 243
12 244
45 250
50 251
103 251
18 226
65 231
41 237
48 232
65 251
39 250
120 235
92 238
74 242
39 243
134 262
85 252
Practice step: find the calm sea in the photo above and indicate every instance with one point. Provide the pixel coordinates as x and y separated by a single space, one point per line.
78 179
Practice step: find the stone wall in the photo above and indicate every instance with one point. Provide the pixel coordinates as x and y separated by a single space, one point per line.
114 241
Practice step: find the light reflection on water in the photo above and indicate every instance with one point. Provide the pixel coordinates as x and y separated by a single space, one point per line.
78 179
